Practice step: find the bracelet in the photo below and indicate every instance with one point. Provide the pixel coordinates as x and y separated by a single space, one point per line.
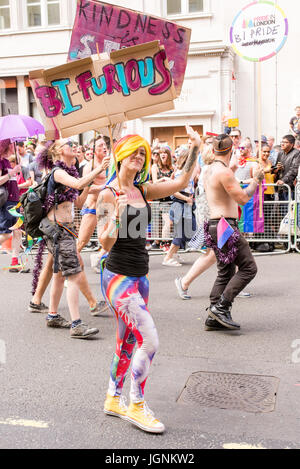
116 221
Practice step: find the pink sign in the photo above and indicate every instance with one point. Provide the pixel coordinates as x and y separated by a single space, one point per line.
112 28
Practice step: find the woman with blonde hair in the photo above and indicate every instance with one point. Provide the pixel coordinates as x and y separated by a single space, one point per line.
123 216
59 235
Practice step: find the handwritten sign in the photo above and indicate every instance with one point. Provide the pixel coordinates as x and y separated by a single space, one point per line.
113 28
100 91
259 31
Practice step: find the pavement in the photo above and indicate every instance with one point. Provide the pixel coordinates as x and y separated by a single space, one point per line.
52 388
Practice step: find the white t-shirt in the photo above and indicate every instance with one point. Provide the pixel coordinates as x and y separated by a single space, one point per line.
243 173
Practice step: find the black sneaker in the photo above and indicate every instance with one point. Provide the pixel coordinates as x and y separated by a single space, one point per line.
155 247
33 308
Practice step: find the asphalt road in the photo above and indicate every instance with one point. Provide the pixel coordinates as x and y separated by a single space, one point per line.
52 388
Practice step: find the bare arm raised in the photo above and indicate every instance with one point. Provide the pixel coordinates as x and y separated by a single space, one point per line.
233 189
64 178
167 188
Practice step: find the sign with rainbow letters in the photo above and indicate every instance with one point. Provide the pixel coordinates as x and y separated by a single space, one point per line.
100 91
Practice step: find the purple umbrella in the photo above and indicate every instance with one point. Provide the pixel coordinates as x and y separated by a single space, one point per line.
17 127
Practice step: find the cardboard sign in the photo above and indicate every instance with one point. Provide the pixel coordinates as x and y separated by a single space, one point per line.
100 91
113 28
259 31
233 123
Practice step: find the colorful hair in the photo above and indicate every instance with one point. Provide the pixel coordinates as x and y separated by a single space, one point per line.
125 148
4 146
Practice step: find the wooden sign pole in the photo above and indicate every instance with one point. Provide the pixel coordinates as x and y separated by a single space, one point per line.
259 133
114 155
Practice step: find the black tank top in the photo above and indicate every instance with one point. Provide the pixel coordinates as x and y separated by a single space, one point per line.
129 256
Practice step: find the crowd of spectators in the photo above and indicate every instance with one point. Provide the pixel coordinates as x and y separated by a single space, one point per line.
281 161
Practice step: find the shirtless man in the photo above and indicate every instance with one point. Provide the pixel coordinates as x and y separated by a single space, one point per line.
224 194
89 221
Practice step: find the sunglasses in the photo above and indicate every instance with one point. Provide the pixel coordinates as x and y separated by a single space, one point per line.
242 148
69 143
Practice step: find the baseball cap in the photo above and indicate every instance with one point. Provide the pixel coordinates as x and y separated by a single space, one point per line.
235 133
263 139
222 144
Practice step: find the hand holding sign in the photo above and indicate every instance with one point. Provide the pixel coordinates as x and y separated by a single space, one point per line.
193 136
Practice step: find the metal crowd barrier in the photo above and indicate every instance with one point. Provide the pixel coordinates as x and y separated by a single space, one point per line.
284 237
296 225
277 224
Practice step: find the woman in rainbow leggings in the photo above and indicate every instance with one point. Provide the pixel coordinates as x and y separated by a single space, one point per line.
123 216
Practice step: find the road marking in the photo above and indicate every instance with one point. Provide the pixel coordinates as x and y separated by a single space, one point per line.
241 446
24 423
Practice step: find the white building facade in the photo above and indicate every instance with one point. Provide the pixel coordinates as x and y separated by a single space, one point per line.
36 34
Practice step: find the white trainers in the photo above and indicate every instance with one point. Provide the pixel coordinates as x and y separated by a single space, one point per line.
181 292
171 263
244 294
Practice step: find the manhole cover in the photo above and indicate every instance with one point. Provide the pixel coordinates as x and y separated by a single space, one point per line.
248 393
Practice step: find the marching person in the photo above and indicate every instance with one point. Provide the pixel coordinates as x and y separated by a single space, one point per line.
123 216
8 180
224 194
60 237
89 222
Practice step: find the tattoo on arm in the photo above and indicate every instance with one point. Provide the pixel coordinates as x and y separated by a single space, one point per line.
103 212
251 189
191 159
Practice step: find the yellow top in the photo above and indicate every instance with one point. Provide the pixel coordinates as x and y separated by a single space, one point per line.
270 179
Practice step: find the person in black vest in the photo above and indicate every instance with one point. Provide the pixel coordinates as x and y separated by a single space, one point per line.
123 215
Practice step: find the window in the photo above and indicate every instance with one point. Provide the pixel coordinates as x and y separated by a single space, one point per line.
43 13
4 14
178 7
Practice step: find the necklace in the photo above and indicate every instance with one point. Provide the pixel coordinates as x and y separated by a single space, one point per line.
222 162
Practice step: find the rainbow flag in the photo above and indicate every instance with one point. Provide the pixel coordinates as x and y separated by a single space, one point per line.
250 222
224 232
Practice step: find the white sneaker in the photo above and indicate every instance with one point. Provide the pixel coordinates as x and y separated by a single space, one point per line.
244 294
171 263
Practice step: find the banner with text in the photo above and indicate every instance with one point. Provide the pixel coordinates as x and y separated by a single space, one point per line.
112 28
259 31
100 91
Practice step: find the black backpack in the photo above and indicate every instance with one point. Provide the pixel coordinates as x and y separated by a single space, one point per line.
32 202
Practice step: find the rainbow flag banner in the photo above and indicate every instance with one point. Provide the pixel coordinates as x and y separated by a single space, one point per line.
250 222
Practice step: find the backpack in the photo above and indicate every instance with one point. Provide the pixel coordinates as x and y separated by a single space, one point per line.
32 202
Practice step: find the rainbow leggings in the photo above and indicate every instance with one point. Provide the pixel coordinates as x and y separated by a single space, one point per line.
128 296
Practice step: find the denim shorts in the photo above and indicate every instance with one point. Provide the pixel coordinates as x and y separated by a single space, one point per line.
7 220
68 260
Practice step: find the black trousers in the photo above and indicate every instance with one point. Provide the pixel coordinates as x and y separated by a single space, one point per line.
230 282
